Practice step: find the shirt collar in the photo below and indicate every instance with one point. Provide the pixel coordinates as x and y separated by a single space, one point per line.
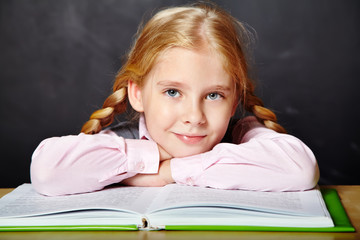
143 132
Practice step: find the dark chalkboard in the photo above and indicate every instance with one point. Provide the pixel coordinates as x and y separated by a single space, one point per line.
58 60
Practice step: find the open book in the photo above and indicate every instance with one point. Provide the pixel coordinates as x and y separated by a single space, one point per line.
173 207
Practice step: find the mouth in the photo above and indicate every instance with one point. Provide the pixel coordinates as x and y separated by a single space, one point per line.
190 139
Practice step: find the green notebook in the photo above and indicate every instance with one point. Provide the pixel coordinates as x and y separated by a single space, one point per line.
174 207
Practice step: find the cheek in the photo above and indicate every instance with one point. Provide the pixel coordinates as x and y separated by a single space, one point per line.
159 117
219 119
220 127
153 106
161 112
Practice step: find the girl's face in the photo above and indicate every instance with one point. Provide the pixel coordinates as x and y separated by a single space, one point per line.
187 99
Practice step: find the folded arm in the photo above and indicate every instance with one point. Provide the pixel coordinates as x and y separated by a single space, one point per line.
85 163
260 160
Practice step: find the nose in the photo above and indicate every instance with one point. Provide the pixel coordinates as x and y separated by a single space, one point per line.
193 114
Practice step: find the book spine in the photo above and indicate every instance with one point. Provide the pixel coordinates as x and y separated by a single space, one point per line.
145 223
146 226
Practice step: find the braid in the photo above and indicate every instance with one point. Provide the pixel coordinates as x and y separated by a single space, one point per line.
264 115
114 104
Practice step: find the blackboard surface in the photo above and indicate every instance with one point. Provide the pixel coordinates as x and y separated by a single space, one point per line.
58 60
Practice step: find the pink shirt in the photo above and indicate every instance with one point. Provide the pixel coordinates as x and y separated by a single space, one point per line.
259 159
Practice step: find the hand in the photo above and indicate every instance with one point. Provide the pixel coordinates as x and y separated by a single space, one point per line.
162 178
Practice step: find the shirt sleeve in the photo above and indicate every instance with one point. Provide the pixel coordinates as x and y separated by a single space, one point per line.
260 159
86 163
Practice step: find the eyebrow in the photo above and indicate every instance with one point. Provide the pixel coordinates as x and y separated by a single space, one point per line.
221 88
167 83
177 84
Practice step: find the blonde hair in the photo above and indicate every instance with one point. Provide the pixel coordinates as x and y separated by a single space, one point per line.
192 27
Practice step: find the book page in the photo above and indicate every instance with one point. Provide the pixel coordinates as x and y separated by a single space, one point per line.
187 205
25 201
295 203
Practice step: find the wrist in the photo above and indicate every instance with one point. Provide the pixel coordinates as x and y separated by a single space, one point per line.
165 172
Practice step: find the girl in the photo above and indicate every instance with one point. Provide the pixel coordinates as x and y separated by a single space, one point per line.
186 75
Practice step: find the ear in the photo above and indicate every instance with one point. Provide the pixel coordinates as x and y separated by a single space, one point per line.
135 97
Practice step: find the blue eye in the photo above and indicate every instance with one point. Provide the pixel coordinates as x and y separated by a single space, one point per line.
213 96
172 93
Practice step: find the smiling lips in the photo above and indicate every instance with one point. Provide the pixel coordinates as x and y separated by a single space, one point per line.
190 139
